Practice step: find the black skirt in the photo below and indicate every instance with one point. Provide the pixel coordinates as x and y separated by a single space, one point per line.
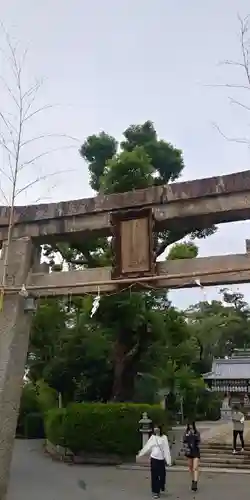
193 454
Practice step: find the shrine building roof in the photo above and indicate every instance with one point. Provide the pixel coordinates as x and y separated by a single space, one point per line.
232 368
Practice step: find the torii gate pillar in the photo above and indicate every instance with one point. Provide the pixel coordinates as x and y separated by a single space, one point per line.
14 337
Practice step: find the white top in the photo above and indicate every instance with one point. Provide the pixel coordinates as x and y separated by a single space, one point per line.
158 448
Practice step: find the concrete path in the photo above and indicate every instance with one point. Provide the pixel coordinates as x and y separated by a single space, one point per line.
36 477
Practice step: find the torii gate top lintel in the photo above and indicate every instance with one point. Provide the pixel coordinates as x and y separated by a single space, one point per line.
211 200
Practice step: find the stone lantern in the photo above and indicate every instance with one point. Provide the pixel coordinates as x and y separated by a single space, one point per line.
145 427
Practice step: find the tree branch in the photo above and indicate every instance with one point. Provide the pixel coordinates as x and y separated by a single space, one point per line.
41 155
240 140
46 136
238 103
228 85
243 64
39 179
39 110
4 195
170 237
12 133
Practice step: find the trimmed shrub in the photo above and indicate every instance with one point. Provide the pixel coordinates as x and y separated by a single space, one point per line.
47 397
29 401
100 428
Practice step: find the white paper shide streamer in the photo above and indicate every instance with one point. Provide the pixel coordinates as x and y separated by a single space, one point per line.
96 303
23 292
202 288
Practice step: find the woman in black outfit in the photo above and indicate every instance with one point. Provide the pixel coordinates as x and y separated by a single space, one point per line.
191 441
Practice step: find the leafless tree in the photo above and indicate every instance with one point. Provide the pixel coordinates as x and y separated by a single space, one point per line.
242 86
18 109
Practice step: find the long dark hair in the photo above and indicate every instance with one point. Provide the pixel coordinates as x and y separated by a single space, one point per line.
193 426
160 427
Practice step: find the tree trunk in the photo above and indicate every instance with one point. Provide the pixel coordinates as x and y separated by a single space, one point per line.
126 361
124 374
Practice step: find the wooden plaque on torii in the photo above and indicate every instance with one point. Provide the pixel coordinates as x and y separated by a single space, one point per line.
133 246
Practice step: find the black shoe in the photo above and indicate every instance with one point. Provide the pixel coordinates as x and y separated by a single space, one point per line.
194 486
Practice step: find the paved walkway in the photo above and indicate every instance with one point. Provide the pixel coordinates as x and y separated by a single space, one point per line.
36 477
222 433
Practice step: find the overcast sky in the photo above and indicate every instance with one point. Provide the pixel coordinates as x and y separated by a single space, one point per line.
110 64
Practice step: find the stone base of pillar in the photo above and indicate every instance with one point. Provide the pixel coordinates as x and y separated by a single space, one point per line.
226 414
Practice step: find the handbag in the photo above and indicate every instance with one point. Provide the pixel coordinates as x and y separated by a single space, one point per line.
186 449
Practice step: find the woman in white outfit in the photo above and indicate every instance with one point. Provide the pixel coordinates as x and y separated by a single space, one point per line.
158 448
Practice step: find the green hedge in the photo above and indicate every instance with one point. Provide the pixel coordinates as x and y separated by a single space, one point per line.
100 428
47 397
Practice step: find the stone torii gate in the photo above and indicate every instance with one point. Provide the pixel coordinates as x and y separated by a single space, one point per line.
131 218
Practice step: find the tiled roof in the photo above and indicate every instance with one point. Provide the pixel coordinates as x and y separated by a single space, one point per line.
229 369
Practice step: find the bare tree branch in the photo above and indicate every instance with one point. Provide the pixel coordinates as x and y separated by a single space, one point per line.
231 139
46 136
2 171
39 110
244 28
243 64
31 95
231 63
4 145
4 195
9 154
13 140
39 179
9 90
238 103
41 155
228 85
32 90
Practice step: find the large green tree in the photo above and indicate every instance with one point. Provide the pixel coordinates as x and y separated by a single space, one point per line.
139 161
219 327
142 160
